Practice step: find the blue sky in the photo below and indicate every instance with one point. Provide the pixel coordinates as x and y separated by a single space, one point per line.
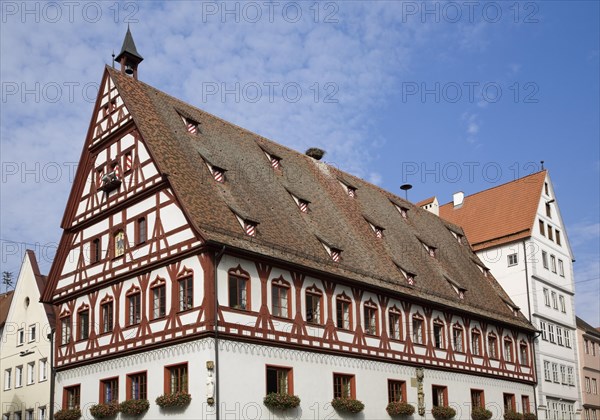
384 87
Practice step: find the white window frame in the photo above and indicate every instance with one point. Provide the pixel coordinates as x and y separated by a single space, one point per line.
546 297
7 378
547 376
19 376
513 259
545 259
30 373
543 327
43 370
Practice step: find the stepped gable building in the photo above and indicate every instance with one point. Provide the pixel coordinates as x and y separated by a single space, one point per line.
517 230
200 257
25 347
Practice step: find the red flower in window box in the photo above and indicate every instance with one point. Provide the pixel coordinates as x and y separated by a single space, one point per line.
480 413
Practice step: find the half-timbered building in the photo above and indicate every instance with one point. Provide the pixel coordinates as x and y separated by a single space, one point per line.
199 256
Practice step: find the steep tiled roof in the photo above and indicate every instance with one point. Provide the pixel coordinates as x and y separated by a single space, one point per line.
41 281
426 201
5 300
253 189
498 215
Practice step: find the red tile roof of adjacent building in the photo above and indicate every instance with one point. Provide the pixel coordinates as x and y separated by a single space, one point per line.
426 201
5 300
500 214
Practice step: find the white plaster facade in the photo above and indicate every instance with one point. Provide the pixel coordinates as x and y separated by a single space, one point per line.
25 351
537 273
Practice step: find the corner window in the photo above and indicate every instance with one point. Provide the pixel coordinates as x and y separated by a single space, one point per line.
343 386
279 380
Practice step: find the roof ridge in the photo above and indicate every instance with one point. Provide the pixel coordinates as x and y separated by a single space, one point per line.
501 185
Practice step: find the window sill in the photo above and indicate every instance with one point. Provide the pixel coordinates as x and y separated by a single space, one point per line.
181 311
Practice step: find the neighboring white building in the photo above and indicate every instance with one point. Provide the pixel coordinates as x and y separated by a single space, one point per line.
517 230
200 257
25 348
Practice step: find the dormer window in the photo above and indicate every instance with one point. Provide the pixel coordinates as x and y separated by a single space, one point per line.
274 160
217 173
410 277
191 125
334 253
301 203
248 225
402 210
458 236
377 230
430 250
350 190
460 291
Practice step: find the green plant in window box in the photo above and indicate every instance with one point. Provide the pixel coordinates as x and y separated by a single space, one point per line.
101 411
480 413
134 407
512 415
177 399
68 414
281 401
529 416
443 412
349 405
400 408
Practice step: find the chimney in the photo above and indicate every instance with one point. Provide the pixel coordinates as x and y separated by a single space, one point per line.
458 198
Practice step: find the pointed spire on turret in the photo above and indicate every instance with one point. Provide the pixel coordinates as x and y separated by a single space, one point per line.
129 56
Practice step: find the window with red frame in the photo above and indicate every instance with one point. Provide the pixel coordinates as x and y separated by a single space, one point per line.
279 380
313 306
134 308
395 324
344 315
439 395
71 397
177 378
106 312
280 293
186 293
137 386
396 391
477 398
343 386
370 315
109 390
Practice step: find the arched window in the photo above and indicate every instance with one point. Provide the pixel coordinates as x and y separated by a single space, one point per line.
314 299
395 323
344 312
280 298
370 316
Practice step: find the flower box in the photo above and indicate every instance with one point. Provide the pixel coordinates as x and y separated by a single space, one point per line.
443 412
398 408
279 401
177 399
134 407
348 405
68 414
480 413
101 411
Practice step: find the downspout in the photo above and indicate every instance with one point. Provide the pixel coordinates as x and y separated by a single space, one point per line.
218 255
52 374
535 403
